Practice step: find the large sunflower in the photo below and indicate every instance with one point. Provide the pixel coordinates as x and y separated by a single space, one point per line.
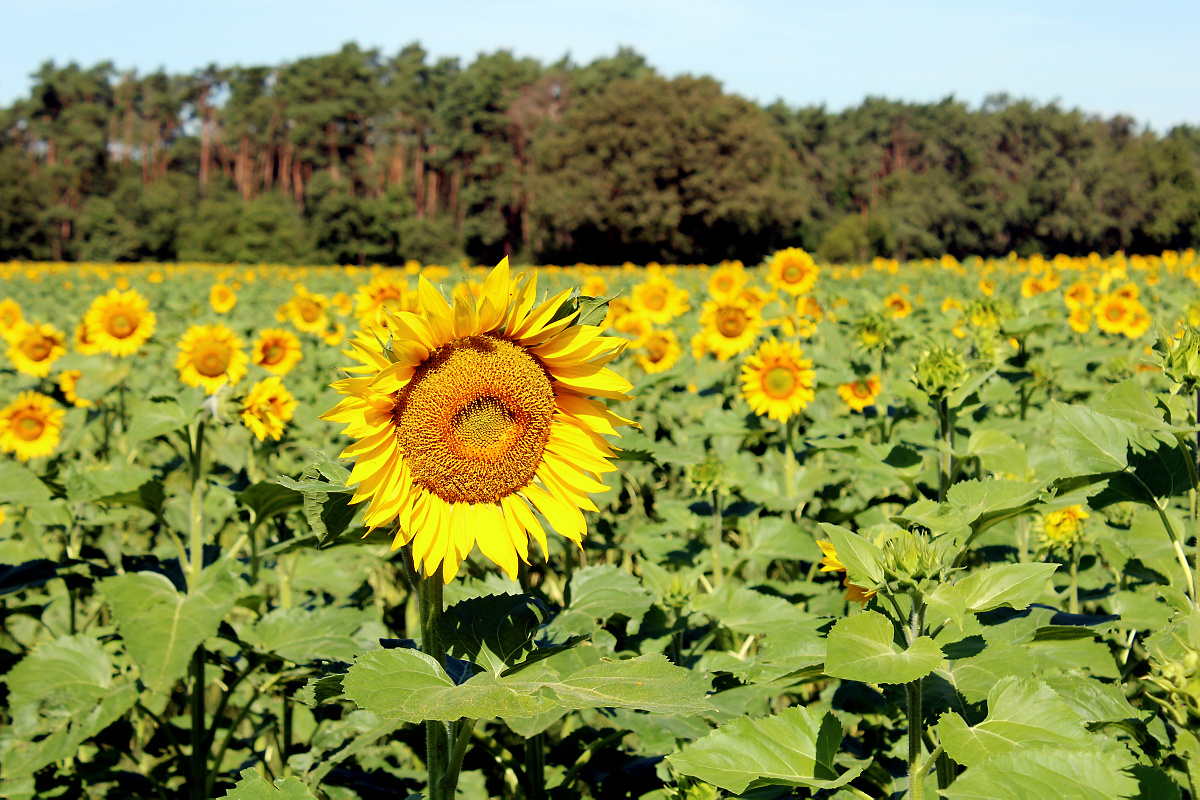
276 350
793 271
210 356
777 380
34 348
472 416
30 426
119 322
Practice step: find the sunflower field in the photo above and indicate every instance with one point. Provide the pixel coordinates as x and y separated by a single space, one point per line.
683 532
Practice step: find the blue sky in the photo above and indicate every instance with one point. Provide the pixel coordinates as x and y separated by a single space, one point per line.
1104 57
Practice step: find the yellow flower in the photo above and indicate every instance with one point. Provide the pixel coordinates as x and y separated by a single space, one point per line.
342 303
11 318
475 414
831 563
1032 287
210 356
793 271
119 322
727 281
657 351
951 304
1113 313
30 426
777 380
276 350
860 394
730 327
67 381
809 308
335 335
84 343
1079 295
1064 525
222 298
897 305
658 299
1080 320
33 348
387 290
1138 322
266 407
307 311
594 286
987 287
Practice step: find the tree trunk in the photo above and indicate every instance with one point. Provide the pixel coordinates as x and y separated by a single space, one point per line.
419 179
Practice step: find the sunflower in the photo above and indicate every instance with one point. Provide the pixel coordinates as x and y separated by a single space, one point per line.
386 290
67 381
730 327
657 351
222 298
897 305
119 322
658 299
1079 295
11 318
831 563
1063 526
793 271
210 356
306 311
727 280
777 380
266 407
276 350
951 304
809 308
335 335
860 394
594 286
30 426
1139 321
474 415
83 343
1113 313
1032 287
34 347
1080 320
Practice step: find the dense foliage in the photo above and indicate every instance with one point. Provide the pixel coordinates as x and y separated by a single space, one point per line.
881 524
358 157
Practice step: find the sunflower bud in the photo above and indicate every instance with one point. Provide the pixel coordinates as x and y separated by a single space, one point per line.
1180 678
706 475
910 558
939 370
1180 358
874 333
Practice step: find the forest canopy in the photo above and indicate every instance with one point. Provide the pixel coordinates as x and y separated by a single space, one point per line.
361 157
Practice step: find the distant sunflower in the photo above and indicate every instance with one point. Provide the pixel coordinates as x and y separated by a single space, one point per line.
657 351
1079 295
30 426
119 322
793 271
335 335
222 298
474 415
727 280
33 348
860 394
730 327
1080 320
266 407
777 380
594 286
11 317
831 563
67 381
276 350
386 290
210 356
987 287
84 343
306 311
1138 322
897 305
1113 313
658 299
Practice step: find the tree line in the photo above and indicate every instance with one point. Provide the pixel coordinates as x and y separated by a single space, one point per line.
359 157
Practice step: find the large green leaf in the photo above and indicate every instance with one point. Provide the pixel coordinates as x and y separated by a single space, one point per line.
597 593
267 499
1089 442
794 748
410 686
493 631
862 559
253 786
156 416
746 611
1013 585
161 626
861 648
1022 713
302 635
91 483
1060 774
19 486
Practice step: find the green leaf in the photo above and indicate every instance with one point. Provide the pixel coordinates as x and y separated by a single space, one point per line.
87 484
266 499
746 611
794 748
1061 774
600 592
1022 712
646 683
149 496
1013 585
862 559
156 416
19 486
1130 402
987 502
163 627
253 786
302 635
1089 442
790 648
493 631
861 648
321 690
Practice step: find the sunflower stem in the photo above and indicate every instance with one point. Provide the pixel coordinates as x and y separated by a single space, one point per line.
196 542
199 751
718 538
916 724
945 462
1073 599
535 767
443 780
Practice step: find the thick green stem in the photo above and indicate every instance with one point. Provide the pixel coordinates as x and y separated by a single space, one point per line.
946 445
438 733
199 755
535 767
196 515
462 738
718 537
916 716
1073 598
1179 554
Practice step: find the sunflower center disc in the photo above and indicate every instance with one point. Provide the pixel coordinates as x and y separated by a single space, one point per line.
273 354
120 326
779 382
656 349
29 428
211 362
474 421
656 301
309 312
731 323
792 274
38 349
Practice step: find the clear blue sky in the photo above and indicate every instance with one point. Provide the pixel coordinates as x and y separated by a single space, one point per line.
1105 57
